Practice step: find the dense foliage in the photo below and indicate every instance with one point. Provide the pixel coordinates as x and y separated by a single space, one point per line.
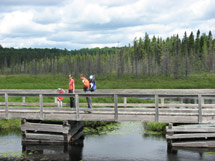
170 57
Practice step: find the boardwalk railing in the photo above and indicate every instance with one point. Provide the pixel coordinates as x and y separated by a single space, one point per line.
159 111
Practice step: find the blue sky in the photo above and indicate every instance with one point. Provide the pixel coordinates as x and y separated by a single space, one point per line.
75 24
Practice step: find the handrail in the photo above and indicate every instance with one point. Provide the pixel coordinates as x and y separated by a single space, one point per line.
200 103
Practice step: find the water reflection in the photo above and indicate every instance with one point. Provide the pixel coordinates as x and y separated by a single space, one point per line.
182 153
53 152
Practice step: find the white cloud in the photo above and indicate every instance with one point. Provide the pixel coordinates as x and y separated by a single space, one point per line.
81 23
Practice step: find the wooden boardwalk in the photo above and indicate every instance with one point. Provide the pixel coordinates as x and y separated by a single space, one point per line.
159 111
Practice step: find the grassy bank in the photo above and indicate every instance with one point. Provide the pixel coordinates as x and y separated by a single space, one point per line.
155 127
107 82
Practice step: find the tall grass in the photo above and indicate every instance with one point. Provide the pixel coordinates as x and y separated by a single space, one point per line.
107 82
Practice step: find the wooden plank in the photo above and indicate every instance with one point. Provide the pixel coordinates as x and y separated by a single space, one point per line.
190 136
112 104
115 107
24 94
156 108
195 144
178 119
142 118
60 117
41 106
40 136
20 115
6 105
45 127
77 106
96 117
136 95
190 129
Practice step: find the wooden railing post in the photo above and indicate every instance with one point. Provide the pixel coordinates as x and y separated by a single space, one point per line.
162 101
55 100
115 107
23 99
125 101
156 108
77 106
200 108
41 106
6 105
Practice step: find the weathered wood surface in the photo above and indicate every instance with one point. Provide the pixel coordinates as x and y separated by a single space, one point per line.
191 136
196 135
38 127
194 144
46 137
36 131
120 91
191 129
108 114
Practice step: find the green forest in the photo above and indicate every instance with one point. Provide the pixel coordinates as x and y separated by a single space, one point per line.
172 57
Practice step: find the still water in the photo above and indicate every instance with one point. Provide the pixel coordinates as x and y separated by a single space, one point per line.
128 143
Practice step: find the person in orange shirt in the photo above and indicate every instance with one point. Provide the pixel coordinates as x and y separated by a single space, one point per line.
71 90
60 99
86 83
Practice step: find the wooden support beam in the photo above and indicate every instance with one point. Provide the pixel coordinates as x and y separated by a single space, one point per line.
6 105
115 107
200 108
156 108
41 106
77 106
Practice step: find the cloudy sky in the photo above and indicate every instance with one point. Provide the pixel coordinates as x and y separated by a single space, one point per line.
75 24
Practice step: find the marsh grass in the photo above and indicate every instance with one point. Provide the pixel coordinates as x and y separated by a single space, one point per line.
155 127
108 82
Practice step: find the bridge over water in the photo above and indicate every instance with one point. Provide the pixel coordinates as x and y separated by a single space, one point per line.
158 111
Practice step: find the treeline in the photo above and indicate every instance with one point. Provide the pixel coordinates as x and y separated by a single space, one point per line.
173 56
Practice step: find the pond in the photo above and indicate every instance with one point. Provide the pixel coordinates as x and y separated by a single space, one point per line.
128 143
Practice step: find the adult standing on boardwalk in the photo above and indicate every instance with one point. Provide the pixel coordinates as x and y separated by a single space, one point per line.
86 83
71 90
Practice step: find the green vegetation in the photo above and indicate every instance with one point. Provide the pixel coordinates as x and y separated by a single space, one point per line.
155 127
12 124
99 127
108 82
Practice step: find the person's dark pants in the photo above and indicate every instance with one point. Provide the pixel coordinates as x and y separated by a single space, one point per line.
72 100
89 102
